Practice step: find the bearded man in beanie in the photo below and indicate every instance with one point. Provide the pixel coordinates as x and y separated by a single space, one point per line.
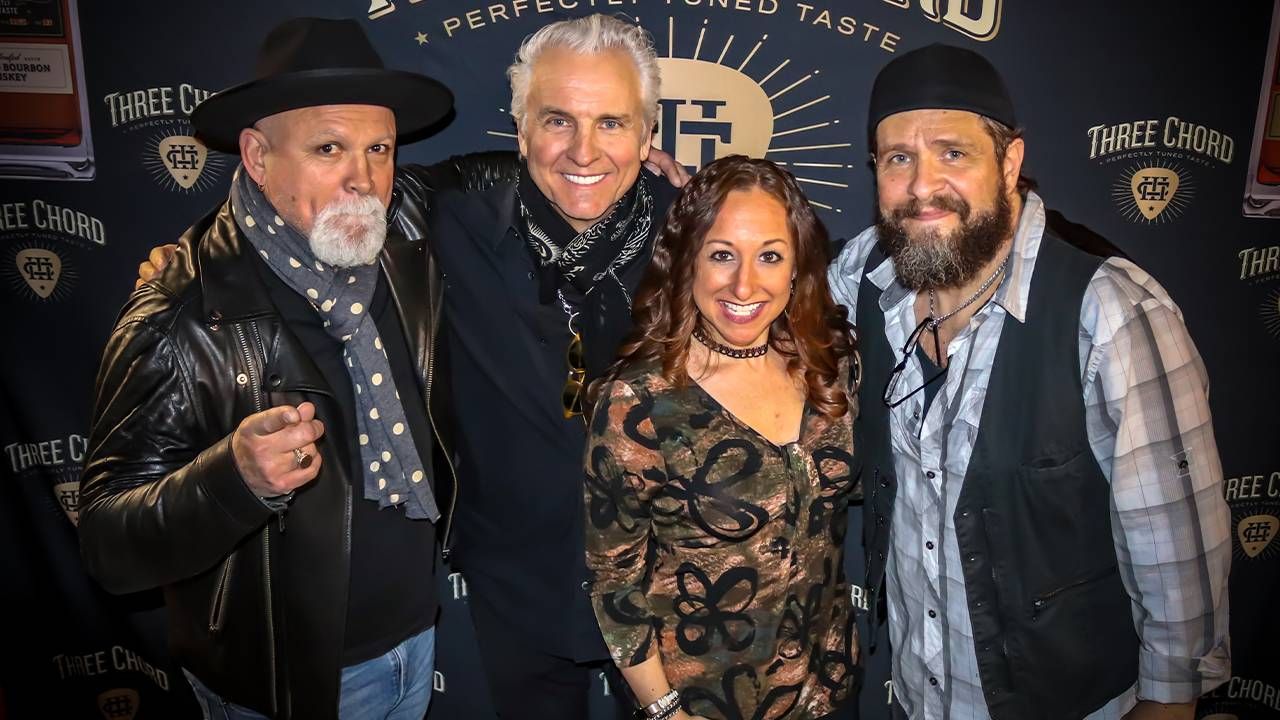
262 436
1044 495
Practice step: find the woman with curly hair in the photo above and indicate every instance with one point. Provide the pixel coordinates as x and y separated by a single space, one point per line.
718 465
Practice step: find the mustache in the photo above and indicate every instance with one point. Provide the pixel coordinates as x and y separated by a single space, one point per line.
914 207
359 205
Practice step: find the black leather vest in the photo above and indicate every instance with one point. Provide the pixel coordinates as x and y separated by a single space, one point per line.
1051 620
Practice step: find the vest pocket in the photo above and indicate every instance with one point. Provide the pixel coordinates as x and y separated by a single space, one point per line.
1076 643
1059 523
1045 599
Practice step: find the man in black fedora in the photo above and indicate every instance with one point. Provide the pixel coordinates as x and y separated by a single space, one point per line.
262 434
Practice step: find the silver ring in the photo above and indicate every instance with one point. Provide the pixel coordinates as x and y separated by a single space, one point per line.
301 459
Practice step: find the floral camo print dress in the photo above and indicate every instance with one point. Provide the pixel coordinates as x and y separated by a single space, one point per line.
720 551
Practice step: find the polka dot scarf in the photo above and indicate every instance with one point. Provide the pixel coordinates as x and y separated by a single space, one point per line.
393 470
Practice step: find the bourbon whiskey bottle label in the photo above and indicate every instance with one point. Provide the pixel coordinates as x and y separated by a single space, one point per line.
29 67
44 115
42 69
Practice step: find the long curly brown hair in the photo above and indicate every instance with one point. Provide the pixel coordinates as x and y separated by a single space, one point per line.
813 334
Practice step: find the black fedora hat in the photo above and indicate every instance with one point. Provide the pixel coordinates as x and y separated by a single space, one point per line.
306 62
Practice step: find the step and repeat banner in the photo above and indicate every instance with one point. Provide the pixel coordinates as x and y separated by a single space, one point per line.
1153 124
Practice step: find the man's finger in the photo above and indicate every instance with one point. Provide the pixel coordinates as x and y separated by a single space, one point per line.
161 256
271 421
299 476
297 435
306 412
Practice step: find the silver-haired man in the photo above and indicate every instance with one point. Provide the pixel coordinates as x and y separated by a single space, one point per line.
540 275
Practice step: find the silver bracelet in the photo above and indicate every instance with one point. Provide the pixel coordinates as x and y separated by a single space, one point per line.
664 707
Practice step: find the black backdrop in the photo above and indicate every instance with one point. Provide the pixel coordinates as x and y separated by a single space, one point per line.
1147 122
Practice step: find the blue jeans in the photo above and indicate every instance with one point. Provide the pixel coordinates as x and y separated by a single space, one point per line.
394 686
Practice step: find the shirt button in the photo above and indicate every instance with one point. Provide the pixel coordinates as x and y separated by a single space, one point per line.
586 585
542 342
972 558
931 475
933 681
933 614
929 544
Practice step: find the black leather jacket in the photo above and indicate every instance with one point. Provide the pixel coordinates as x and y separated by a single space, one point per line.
255 590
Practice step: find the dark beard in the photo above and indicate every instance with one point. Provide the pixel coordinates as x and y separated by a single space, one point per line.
930 262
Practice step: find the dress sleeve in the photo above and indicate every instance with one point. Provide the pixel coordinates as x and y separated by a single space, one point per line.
624 470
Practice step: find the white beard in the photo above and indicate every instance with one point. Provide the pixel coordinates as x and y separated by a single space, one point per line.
349 233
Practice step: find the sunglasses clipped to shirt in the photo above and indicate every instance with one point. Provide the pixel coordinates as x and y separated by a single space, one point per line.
571 394
909 349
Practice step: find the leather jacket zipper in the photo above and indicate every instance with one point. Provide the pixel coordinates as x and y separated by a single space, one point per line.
218 608
257 384
251 367
251 360
445 550
1043 599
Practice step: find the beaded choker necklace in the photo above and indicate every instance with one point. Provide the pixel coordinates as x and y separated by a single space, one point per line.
738 353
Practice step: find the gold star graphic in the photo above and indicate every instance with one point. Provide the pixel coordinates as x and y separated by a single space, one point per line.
421 37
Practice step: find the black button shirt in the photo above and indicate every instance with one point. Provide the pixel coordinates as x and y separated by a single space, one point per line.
519 518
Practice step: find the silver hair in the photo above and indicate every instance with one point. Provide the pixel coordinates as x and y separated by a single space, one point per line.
589 35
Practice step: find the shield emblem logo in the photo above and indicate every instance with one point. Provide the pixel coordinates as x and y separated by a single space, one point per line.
1153 189
1256 532
183 156
40 268
118 704
68 496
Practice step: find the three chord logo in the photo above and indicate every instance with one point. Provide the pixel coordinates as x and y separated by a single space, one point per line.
1153 193
175 159
42 243
1255 532
118 704
41 270
1159 161
180 162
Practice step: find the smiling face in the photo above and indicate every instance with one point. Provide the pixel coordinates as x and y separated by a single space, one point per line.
945 205
584 134
742 278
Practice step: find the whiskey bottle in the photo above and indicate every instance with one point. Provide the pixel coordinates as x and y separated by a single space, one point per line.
44 119
1269 162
